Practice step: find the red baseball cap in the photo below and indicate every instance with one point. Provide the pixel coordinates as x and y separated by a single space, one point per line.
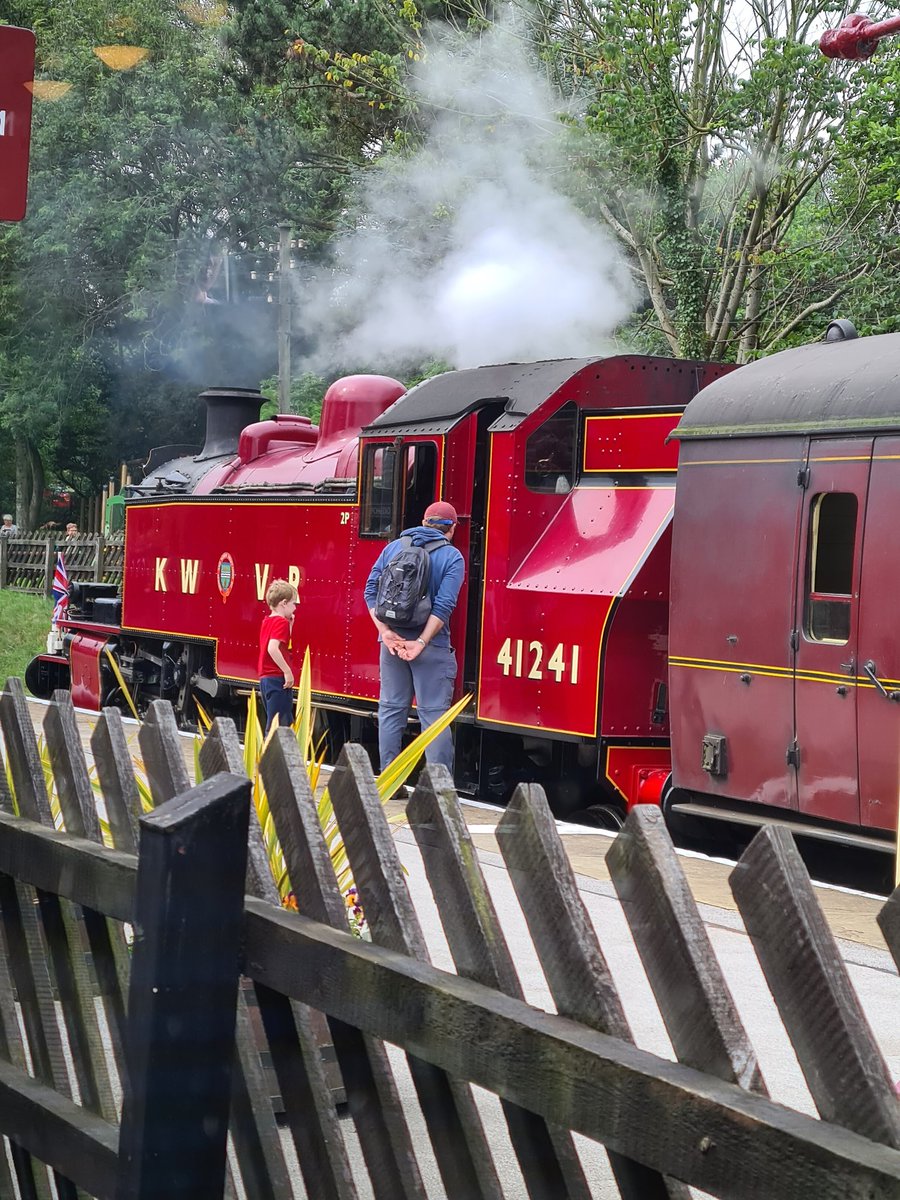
440 513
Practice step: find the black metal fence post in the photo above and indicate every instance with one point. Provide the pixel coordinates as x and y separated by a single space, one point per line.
183 994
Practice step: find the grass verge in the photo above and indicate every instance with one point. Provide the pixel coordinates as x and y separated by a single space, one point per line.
24 625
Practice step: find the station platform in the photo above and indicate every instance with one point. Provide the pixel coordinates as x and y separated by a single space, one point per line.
851 914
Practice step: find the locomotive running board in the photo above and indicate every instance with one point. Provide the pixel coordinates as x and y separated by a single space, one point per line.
857 840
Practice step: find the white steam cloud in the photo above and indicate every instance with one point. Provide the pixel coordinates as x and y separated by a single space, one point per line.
468 250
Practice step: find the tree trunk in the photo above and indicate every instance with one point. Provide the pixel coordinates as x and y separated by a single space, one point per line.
29 484
685 263
37 486
23 483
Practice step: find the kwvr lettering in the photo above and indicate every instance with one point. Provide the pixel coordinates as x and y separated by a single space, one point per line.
189 569
264 570
262 579
159 584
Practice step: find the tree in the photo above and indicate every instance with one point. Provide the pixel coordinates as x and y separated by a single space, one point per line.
708 130
155 195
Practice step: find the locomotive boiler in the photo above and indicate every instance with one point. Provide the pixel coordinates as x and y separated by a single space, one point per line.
565 483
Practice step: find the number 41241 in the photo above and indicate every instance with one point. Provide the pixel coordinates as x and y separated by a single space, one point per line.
527 659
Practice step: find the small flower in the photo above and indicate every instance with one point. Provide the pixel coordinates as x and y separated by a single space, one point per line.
357 918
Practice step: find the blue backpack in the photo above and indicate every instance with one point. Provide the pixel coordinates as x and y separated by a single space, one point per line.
403 599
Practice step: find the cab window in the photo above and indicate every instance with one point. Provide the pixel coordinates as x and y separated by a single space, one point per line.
829 574
550 452
378 468
398 484
420 479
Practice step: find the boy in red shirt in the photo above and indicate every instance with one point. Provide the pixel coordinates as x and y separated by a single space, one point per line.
276 672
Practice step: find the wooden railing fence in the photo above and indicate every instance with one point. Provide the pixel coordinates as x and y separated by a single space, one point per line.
27 563
704 1120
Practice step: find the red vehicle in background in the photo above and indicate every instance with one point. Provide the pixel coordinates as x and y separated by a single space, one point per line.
564 481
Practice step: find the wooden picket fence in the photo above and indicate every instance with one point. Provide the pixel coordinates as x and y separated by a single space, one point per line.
27 563
704 1120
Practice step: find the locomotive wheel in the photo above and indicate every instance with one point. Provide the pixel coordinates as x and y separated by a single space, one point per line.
601 816
676 823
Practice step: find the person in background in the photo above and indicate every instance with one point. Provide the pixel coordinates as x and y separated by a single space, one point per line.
71 530
419 660
275 669
8 528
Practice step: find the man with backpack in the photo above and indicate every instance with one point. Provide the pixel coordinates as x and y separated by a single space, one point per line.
410 594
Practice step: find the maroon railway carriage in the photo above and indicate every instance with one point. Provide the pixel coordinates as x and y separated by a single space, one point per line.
784 643
564 482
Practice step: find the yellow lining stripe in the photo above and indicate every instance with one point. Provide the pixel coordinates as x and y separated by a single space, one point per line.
732 462
772 672
632 416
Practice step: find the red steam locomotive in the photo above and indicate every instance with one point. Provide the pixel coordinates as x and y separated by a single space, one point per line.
781 686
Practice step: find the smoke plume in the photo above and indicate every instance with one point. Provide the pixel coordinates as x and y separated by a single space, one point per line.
468 250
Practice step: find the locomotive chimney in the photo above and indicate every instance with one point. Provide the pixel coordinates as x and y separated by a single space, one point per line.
228 410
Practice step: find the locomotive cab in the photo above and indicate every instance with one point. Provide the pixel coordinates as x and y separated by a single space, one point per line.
784 656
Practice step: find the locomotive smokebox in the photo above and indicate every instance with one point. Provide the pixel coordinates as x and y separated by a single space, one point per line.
228 410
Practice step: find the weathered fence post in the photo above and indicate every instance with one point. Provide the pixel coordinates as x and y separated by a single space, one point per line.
183 994
49 567
4 560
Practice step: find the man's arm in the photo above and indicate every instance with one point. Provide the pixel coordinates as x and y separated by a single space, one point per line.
448 589
389 636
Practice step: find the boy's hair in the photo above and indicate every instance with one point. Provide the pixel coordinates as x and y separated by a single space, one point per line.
278 590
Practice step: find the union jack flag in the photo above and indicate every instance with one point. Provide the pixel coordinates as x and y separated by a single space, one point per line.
60 589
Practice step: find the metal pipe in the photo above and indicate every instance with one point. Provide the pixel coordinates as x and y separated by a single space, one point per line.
857 37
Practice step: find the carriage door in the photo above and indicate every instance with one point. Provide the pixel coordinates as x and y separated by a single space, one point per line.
825 693
878 703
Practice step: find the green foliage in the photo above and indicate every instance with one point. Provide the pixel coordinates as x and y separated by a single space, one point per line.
707 127
154 202
388 783
428 371
307 392
29 616
752 184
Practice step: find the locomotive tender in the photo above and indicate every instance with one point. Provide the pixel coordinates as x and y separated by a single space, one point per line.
781 686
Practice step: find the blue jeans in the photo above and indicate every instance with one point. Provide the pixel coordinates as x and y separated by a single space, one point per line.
430 677
278 699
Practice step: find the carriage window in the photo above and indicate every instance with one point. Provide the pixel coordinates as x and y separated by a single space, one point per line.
829 574
550 452
377 491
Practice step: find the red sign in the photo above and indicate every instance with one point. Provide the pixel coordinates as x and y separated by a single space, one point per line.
16 78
